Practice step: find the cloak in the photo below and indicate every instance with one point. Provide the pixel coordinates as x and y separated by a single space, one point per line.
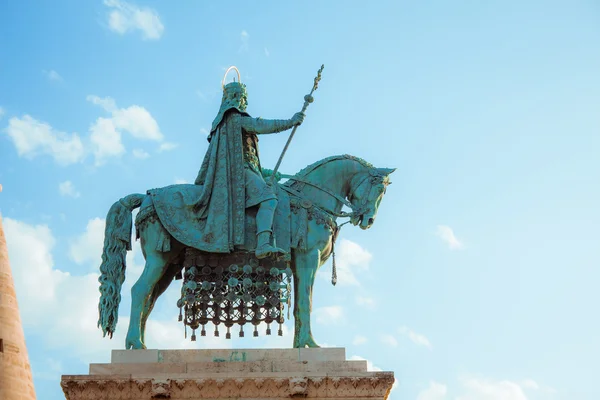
218 205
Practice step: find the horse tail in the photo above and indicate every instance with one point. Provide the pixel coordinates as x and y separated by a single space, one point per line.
117 240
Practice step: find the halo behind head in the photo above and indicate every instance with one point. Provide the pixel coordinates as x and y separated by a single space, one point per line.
227 72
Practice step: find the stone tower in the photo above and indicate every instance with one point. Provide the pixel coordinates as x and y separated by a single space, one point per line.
16 382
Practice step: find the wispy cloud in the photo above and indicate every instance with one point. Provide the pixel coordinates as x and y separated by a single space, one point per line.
2 112
447 235
140 154
245 39
478 388
435 391
67 188
358 340
204 131
367 302
389 340
180 181
416 338
52 75
329 315
167 146
267 52
126 17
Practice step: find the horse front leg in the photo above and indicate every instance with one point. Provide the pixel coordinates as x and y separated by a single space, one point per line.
306 265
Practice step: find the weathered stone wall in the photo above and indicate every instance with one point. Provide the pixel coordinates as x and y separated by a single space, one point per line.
16 382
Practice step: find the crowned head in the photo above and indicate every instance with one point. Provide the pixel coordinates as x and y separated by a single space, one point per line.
234 93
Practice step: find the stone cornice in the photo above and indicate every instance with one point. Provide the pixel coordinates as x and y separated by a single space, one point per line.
125 387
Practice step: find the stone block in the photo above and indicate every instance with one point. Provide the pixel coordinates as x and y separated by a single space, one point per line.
323 367
230 367
139 368
134 356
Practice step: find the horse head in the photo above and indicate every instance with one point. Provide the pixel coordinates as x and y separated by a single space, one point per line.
366 192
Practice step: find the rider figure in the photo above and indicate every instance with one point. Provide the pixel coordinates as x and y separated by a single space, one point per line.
232 173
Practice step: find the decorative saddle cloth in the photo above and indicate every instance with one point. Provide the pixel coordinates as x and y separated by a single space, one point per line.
172 205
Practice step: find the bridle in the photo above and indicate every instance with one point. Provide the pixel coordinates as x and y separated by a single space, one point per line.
354 215
356 211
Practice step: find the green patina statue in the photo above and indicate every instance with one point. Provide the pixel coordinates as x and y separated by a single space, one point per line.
232 179
231 216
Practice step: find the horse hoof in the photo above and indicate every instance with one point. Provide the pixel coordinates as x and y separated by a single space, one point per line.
134 344
309 342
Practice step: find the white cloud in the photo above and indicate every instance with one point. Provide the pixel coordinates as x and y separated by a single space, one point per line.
107 103
2 112
167 147
351 259
529 384
329 315
106 133
415 337
435 391
141 154
245 39
204 131
105 140
53 75
87 247
67 188
125 17
483 389
134 119
62 308
267 52
358 340
447 235
389 340
367 302
180 181
477 388
33 138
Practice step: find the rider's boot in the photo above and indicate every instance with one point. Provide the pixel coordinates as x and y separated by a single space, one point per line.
264 224
264 248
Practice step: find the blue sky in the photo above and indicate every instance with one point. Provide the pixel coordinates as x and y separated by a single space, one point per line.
479 279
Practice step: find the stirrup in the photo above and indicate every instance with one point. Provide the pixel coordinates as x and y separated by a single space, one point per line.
267 250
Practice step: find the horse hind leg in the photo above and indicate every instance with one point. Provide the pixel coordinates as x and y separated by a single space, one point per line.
159 289
157 264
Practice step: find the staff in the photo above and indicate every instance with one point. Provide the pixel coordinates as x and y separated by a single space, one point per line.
307 100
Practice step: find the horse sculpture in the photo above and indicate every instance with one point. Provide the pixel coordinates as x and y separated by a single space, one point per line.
317 194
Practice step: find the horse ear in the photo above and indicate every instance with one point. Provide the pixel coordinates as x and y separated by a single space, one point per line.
385 171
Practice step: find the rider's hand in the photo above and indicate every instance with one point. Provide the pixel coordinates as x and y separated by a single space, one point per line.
297 119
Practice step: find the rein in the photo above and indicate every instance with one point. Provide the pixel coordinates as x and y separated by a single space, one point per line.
329 192
338 228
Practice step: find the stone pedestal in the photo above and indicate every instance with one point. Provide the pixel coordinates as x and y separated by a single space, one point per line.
229 374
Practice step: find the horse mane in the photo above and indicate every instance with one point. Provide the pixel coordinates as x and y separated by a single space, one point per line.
308 169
